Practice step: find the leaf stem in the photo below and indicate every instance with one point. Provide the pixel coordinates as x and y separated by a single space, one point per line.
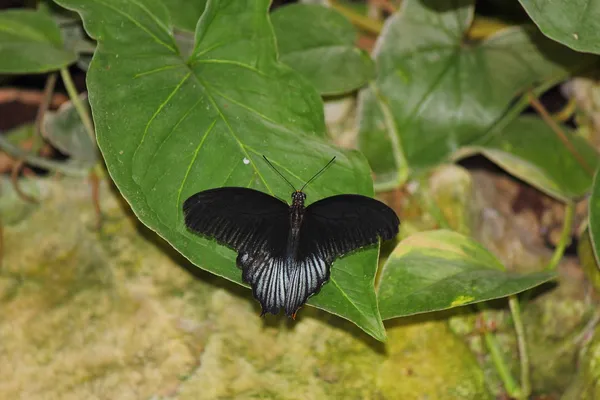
386 186
393 134
1 243
44 105
494 348
39 162
430 205
359 20
539 107
565 236
515 311
74 96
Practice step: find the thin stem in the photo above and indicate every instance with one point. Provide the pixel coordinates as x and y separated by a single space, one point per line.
386 186
39 162
359 20
393 134
515 311
73 95
565 236
14 178
1 243
95 192
44 105
539 107
507 379
430 205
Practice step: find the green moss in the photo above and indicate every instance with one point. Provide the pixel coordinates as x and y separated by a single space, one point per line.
116 314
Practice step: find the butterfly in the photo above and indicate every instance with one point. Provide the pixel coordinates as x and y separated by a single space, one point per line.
286 251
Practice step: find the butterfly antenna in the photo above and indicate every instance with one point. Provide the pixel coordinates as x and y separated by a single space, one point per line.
318 173
280 174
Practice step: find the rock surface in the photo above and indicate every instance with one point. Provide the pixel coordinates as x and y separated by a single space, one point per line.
117 314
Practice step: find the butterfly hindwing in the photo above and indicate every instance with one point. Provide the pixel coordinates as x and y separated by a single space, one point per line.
306 278
241 218
268 277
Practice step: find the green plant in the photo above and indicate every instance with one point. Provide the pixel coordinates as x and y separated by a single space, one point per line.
188 97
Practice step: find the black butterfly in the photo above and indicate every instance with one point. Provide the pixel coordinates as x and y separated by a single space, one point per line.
285 252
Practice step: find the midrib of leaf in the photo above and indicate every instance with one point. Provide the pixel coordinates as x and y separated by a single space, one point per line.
189 168
450 61
224 119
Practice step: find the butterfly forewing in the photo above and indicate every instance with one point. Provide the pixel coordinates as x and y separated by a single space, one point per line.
337 225
243 219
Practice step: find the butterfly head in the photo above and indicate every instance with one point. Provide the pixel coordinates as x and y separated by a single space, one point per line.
298 198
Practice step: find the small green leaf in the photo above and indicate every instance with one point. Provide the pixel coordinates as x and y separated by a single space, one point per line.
30 42
437 270
436 92
319 42
572 23
594 211
530 150
169 127
65 131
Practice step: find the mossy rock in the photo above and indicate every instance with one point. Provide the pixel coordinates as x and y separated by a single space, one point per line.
117 314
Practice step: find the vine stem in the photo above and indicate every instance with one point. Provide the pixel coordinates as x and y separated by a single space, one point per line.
539 107
36 161
565 236
503 371
515 310
74 96
359 20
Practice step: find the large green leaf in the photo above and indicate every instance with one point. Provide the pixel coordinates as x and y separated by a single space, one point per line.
575 23
30 42
319 42
436 91
437 270
530 150
169 127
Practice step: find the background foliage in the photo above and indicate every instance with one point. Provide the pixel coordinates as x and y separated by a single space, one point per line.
188 95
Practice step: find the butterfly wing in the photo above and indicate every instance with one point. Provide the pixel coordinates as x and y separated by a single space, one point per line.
332 227
241 218
257 226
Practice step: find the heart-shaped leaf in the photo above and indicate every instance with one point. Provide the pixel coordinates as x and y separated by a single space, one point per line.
437 270
573 23
319 42
30 42
436 91
522 149
169 127
65 130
